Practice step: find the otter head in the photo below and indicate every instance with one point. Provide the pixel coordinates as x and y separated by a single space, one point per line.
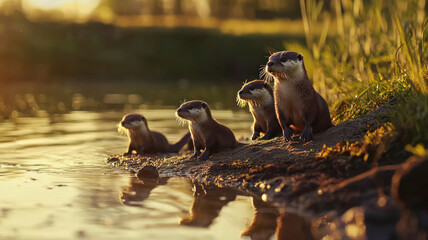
132 123
285 65
194 111
256 93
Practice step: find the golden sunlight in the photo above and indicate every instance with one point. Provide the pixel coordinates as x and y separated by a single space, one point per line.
69 9
45 4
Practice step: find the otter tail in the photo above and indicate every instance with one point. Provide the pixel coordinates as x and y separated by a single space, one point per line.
180 144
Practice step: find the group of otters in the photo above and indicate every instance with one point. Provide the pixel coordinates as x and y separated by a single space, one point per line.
293 106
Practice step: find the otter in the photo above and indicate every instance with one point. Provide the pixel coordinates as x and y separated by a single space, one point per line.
297 104
142 140
259 96
207 133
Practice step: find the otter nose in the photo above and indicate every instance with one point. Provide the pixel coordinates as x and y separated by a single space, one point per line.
122 123
240 93
179 110
270 64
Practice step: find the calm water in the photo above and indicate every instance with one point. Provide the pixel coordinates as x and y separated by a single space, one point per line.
56 185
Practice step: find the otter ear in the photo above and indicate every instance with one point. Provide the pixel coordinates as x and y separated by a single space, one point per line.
300 57
204 105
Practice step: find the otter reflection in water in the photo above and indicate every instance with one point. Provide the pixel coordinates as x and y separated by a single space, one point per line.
291 226
139 190
263 224
267 221
207 204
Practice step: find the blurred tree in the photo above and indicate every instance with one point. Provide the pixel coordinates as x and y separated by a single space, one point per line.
156 7
124 7
11 7
178 9
222 9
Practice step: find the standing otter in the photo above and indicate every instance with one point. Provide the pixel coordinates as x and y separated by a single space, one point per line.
142 140
207 133
297 103
259 96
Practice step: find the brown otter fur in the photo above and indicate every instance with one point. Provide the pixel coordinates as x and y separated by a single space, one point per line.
259 96
296 101
207 133
142 140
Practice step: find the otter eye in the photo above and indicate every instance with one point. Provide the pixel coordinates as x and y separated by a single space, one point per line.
283 59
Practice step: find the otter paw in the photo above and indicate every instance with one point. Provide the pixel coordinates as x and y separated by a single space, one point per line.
306 134
205 155
203 158
287 134
266 137
255 135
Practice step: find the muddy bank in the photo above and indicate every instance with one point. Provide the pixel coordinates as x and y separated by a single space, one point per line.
298 171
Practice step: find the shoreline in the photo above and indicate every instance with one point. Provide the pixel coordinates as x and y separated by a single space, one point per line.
334 183
293 166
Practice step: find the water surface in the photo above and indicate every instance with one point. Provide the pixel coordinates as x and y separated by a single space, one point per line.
56 185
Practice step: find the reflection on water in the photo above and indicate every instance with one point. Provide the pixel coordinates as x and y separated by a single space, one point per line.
264 223
55 185
207 204
211 208
52 100
139 190
292 226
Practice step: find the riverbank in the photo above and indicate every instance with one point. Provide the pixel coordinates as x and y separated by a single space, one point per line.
298 168
341 181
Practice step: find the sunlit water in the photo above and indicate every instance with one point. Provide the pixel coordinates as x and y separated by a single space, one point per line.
55 184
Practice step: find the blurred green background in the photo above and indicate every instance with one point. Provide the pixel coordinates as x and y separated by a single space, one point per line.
54 53
50 41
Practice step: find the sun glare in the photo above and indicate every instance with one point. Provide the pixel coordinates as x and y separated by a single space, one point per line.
75 9
45 4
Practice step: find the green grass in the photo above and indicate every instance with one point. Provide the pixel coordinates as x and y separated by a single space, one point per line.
378 56
411 121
